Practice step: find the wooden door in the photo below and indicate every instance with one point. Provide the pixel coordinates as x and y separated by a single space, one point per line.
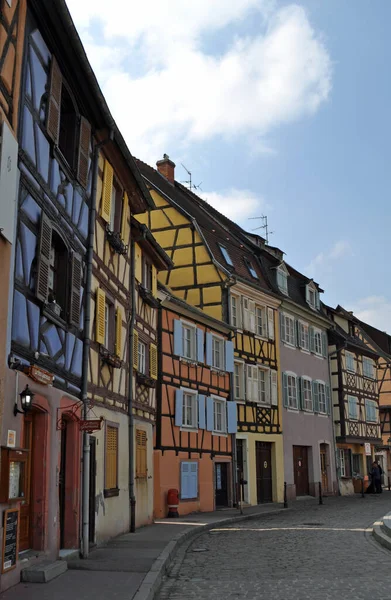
62 482
91 523
300 467
323 467
26 504
263 451
221 484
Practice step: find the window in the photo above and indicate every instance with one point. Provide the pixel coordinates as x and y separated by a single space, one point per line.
218 358
258 384
68 127
263 386
58 268
353 408
318 342
322 398
141 454
116 207
282 280
292 391
304 337
141 355
147 275
248 314
357 464
189 480
350 362
288 329
189 410
111 460
239 380
189 342
251 269
311 298
261 321
344 462
307 394
371 411
219 416
227 257
368 368
109 326
235 311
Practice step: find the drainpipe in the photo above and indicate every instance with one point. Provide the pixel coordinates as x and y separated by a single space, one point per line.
235 499
132 287
86 350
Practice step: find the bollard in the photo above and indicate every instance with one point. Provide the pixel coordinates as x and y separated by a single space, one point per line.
285 496
320 493
362 488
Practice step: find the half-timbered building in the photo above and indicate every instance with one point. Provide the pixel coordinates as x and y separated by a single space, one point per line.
218 273
196 417
354 364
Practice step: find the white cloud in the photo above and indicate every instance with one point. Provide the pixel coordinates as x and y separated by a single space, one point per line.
166 91
324 261
376 311
237 205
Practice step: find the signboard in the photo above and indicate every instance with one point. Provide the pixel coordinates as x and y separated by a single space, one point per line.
11 438
40 375
368 451
10 539
90 425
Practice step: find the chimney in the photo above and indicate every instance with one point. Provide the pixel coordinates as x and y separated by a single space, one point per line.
166 168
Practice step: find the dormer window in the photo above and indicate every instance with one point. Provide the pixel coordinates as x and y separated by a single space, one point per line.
312 296
251 269
226 256
282 279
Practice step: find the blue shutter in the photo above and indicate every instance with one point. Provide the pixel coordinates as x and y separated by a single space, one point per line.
232 417
201 412
315 396
209 414
179 408
229 357
285 389
324 344
200 346
209 349
328 400
185 480
178 339
312 339
282 327
193 480
295 331
300 393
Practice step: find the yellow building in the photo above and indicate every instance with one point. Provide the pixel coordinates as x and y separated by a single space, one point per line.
217 272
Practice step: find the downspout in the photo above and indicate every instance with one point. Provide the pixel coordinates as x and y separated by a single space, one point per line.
132 287
86 350
235 499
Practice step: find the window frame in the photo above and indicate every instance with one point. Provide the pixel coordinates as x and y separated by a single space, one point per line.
353 418
189 462
217 400
194 409
142 344
267 390
221 341
242 385
367 360
226 255
108 492
293 376
238 304
264 320
147 275
374 405
302 326
250 268
322 397
281 273
318 336
288 317
193 341
109 341
307 380
353 357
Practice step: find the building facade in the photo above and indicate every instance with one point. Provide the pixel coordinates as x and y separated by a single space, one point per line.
196 418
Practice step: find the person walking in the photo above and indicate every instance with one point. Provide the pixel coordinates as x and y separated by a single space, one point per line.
376 478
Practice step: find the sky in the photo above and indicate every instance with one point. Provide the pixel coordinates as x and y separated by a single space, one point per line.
277 108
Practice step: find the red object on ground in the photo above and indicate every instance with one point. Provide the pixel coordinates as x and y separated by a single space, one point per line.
172 502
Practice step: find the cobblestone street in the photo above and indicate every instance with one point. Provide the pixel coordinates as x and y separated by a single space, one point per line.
309 552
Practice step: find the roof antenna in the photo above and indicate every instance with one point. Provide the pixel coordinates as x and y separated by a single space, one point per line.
264 226
189 182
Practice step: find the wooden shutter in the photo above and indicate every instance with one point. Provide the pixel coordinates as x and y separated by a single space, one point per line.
285 390
282 327
54 102
229 357
232 418
270 323
118 332
324 344
43 263
252 316
185 480
179 408
84 149
209 414
138 259
300 393
153 369
328 399
107 191
201 412
178 340
124 218
312 339
193 483
100 316
315 396
154 282
135 350
209 349
141 454
111 475
200 345
77 269
274 388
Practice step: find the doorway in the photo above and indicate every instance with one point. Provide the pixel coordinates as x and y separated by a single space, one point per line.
263 455
92 493
300 468
62 482
323 467
25 541
221 485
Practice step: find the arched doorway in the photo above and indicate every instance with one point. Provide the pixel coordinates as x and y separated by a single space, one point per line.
69 482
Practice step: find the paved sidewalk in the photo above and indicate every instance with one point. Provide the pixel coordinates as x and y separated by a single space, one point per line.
131 565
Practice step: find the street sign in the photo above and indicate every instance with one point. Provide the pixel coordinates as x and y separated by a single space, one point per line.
90 425
368 451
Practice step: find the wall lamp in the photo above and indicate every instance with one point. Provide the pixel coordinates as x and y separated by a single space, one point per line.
26 400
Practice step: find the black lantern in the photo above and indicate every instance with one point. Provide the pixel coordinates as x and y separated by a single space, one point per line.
26 400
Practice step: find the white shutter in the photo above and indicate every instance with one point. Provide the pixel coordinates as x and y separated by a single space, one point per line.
270 323
252 383
274 388
252 316
246 315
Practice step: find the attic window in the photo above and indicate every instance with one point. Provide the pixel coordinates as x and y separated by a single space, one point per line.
251 269
282 280
227 257
312 296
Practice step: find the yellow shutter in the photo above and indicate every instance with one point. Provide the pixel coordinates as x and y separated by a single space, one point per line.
153 361
118 332
139 263
107 191
154 282
111 470
141 453
100 316
135 350
124 219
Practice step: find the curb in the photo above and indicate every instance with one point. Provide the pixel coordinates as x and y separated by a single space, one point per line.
382 531
153 579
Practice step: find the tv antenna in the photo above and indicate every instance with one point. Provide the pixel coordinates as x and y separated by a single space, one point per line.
264 226
189 182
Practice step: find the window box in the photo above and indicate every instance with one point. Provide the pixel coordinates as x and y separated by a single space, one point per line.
115 241
143 379
147 296
110 358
